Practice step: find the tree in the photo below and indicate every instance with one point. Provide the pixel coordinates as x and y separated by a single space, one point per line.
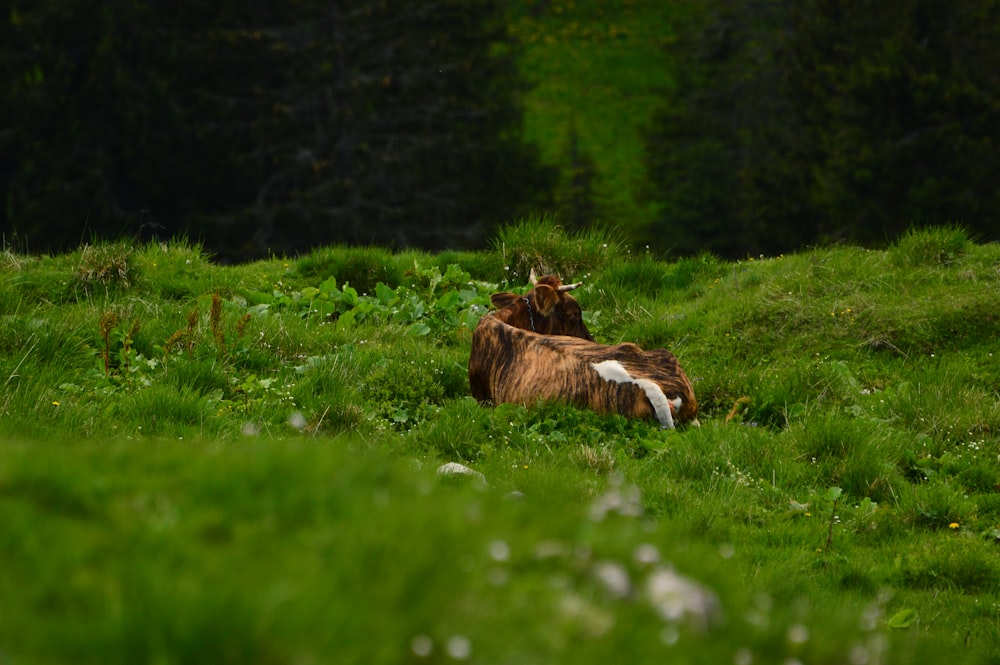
88 123
717 150
906 101
265 126
820 121
574 195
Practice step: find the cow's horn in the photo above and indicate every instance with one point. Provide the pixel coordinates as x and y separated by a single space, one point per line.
532 277
570 287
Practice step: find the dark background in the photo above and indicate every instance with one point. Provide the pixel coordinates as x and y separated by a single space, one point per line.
269 127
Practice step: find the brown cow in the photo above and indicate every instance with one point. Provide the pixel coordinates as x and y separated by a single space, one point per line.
547 309
510 364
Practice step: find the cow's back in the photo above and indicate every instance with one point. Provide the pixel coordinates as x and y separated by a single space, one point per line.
509 365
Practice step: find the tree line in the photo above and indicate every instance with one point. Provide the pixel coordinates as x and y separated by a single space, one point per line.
265 127
262 126
818 121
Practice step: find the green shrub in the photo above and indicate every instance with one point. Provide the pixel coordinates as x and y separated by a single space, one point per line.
486 266
639 276
26 280
162 409
204 376
178 270
690 270
402 381
461 430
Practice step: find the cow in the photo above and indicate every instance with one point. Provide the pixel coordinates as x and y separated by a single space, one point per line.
514 364
547 308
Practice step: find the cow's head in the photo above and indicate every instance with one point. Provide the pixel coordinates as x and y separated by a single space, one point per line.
547 309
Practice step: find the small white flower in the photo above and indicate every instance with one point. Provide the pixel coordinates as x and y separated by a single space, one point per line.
676 598
614 578
422 646
459 647
297 420
646 554
798 634
499 550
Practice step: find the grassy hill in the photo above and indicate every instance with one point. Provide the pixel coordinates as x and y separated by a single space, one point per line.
202 463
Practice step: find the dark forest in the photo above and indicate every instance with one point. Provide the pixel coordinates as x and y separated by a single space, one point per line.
264 127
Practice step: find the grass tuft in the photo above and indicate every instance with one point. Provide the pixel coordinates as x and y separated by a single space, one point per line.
362 268
967 567
539 243
935 246
108 265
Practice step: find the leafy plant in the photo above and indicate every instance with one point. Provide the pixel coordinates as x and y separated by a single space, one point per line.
433 303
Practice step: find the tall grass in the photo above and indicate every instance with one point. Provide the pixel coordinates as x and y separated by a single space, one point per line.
539 243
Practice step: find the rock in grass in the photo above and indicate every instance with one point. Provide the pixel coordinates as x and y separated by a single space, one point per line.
456 469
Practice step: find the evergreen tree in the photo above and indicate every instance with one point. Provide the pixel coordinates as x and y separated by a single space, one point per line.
903 101
263 126
819 121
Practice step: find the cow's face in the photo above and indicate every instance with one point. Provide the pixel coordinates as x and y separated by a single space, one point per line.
547 309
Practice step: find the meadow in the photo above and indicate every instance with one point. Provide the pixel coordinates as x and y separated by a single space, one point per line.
240 464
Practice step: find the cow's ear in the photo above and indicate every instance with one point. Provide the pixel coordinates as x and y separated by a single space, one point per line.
502 300
545 299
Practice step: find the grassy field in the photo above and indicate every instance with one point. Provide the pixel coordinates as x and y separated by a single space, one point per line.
239 464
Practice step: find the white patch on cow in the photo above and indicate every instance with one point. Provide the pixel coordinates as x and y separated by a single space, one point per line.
612 370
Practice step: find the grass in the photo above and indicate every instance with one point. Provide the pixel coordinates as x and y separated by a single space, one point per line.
238 463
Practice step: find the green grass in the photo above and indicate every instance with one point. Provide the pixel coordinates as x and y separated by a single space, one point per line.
238 463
